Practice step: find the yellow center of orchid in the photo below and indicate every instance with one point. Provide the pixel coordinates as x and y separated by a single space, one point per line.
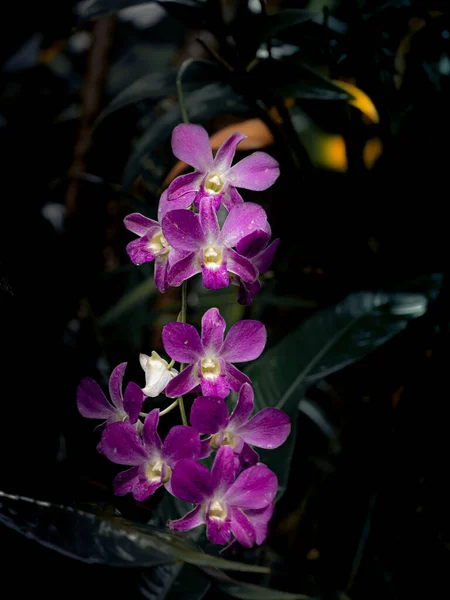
214 183
228 440
154 472
212 257
210 368
217 510
158 243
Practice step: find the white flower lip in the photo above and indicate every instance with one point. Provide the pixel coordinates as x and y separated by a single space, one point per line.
157 374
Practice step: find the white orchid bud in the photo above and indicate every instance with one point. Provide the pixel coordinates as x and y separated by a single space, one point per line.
157 374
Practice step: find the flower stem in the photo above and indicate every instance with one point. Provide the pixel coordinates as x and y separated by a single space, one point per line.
169 408
180 94
183 320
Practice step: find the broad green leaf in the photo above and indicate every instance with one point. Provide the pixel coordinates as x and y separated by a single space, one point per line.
327 342
250 591
106 540
201 105
161 85
171 582
143 291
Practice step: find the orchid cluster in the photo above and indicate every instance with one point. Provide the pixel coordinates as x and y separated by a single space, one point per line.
235 498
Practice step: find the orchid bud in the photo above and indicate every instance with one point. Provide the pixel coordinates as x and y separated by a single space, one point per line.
157 374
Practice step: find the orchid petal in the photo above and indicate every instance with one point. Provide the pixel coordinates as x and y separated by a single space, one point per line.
139 224
213 328
183 231
91 401
225 154
245 341
242 529
259 519
218 530
191 481
182 342
139 250
224 470
253 243
184 269
208 414
267 429
265 259
181 442
255 172
241 266
144 488
161 273
208 221
232 198
125 481
248 457
133 400
184 186
150 435
115 385
242 220
235 378
183 383
122 445
254 488
247 291
192 519
214 278
190 143
243 408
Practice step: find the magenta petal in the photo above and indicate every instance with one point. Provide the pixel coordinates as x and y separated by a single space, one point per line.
225 154
243 408
265 259
115 385
205 448
190 143
182 230
192 519
214 278
259 519
232 198
213 328
184 186
248 457
91 401
208 414
139 251
133 400
125 481
208 220
161 273
235 378
183 383
218 530
242 529
241 266
241 221
253 243
255 172
182 342
121 444
191 481
145 488
254 488
149 431
245 341
139 224
208 197
215 387
247 291
267 429
224 470
184 269
181 442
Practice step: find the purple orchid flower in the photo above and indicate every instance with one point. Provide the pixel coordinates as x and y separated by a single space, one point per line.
215 178
210 358
268 429
92 402
241 507
208 249
151 244
254 247
151 460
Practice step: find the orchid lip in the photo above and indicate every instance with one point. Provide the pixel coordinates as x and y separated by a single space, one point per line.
212 257
158 243
210 368
214 183
217 510
154 472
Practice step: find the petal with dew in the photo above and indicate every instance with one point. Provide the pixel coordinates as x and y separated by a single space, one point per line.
224 470
243 408
183 231
181 442
183 186
209 414
254 488
215 387
248 457
241 266
260 518
91 401
150 435
191 481
255 172
184 269
232 198
265 259
235 378
245 341
192 519
216 277
213 329
182 342
144 488
139 224
125 481
218 530
115 385
253 243
162 273
267 429
183 383
225 154
208 220
242 528
121 444
190 143
139 251
242 220
133 400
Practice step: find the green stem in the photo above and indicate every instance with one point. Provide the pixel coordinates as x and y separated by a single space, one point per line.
183 320
179 83
169 408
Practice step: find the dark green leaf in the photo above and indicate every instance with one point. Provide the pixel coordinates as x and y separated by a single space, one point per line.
171 582
191 12
290 79
102 539
265 27
249 591
202 104
160 85
327 342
